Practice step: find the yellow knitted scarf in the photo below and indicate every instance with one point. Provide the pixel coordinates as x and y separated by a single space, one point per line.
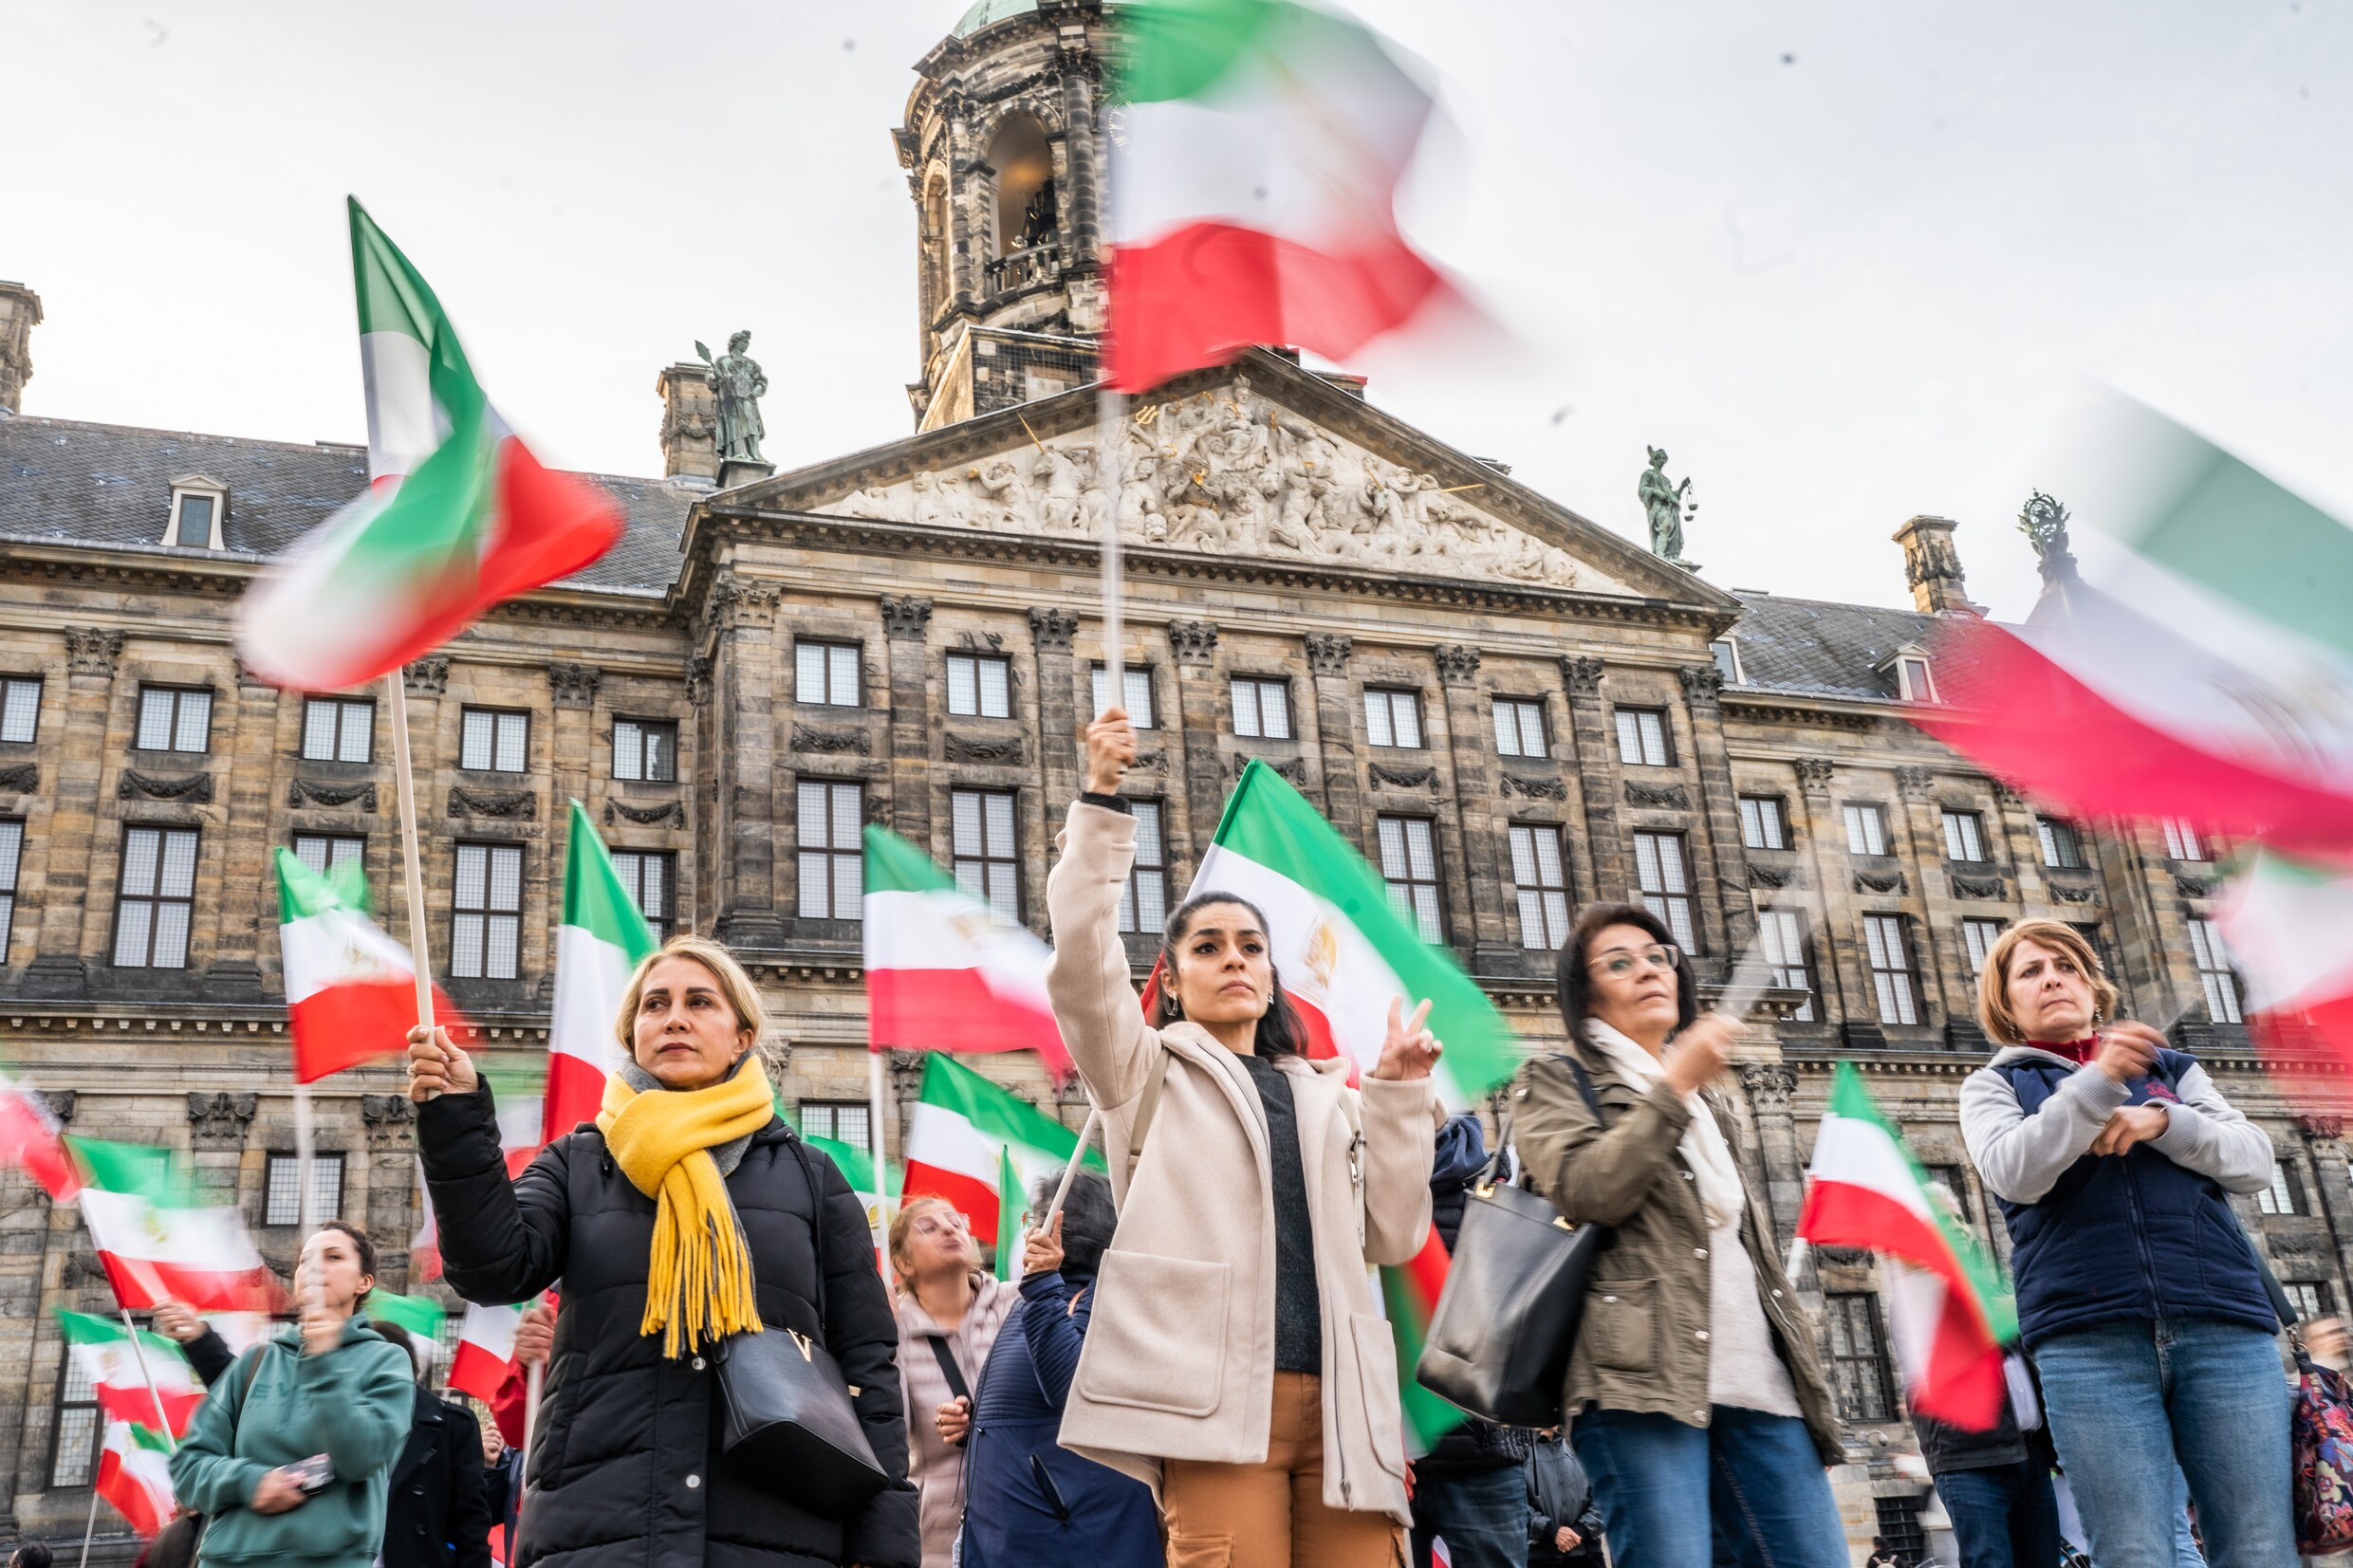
699 1280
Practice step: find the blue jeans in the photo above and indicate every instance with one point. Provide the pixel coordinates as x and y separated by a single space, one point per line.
1747 1489
1481 1515
2006 1516
2127 1401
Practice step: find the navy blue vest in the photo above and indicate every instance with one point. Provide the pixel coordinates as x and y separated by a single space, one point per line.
2127 1237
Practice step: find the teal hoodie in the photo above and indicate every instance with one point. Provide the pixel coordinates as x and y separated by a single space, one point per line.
354 1404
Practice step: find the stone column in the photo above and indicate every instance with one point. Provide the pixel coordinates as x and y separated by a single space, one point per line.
578 746
56 969
1596 777
247 902
1334 724
1079 202
1770 1085
1719 807
745 766
1936 933
1051 632
2321 1136
1847 994
1192 646
392 1218
906 619
1477 820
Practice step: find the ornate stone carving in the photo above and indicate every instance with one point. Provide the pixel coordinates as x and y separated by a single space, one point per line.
906 614
61 1102
247 677
1583 673
1761 876
195 788
2321 1128
2194 887
218 1120
2006 795
1290 767
2075 893
92 650
669 814
1052 630
388 1118
1192 641
1702 683
740 603
20 777
1770 1084
428 677
1813 774
1978 887
1328 652
828 741
1154 761
1532 790
509 804
1457 665
1914 782
698 679
1881 881
1403 777
301 792
1672 797
1006 752
574 685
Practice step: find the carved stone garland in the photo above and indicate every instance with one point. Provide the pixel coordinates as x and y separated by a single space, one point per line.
508 803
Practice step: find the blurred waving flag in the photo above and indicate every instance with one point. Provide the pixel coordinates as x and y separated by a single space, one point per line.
876 1190
158 1241
485 1354
351 989
968 1134
135 1474
601 942
1257 149
101 1348
2288 924
1409 1293
458 514
32 1140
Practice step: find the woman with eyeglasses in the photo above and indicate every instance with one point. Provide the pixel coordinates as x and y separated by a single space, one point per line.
1694 1397
950 1309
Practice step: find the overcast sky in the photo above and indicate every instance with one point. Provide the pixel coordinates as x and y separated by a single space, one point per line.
1839 259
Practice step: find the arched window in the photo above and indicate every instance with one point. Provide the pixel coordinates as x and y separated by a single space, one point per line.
1028 210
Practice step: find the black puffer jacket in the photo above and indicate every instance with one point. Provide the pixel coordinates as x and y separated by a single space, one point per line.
627 1467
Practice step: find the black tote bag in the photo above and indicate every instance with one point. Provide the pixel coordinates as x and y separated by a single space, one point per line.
1499 1340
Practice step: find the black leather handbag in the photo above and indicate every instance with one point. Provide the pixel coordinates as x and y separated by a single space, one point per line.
1499 1340
790 1425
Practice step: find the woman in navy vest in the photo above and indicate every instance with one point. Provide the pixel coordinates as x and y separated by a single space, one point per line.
2139 1294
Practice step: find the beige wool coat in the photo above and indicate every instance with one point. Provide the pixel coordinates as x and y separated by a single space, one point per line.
1179 1359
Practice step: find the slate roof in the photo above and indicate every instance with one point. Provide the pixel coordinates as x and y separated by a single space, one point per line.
1819 648
67 481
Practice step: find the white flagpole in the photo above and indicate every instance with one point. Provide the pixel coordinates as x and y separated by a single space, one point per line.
877 1099
533 1377
1110 419
163 1422
1071 1171
404 782
89 1527
302 1199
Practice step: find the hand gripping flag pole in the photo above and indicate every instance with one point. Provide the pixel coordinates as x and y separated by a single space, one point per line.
163 1422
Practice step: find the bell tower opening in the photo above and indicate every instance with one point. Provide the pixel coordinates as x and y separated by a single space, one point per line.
1027 215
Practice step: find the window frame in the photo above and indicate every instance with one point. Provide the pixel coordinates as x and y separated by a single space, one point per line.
974 661
2056 840
643 739
1726 652
630 865
1755 820
157 898
986 865
829 675
1865 821
10 687
1899 982
2312 1298
1390 701
331 845
61 1407
2183 842
498 723
1147 877
839 864
320 1160
1677 907
830 1112
12 875
1905 666
1978 934
1550 901
341 709
1258 687
2226 994
1957 822
1638 738
1135 680
487 913
2286 1192
175 514
1511 736
1841 1311
179 696
1426 919
1794 956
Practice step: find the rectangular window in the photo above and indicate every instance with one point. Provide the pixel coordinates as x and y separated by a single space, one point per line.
1955 1184
1914 683
831 823
486 913
1761 824
2062 846
1964 837
491 741
170 719
826 673
196 521
158 897
651 876
1135 687
2284 1196
986 862
2214 973
2181 840
1519 728
1541 885
2312 1298
1393 718
323 852
849 1121
1664 876
1409 863
1891 969
1866 830
1262 708
11 855
646 751
1642 738
980 686
1858 1369
339 729
1144 904
73 1453
281 1198
1783 939
1978 936
1727 655
20 708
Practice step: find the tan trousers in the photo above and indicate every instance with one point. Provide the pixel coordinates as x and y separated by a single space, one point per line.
1273 1514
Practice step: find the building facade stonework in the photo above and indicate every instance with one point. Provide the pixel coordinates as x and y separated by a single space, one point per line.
1510 710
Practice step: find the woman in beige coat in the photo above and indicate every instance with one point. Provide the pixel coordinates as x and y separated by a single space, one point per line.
1237 1362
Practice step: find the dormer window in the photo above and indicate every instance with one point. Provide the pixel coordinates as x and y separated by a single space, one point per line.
198 505
1727 655
1913 680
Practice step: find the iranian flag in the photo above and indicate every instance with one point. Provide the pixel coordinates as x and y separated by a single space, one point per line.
1409 1293
421 1316
1343 945
966 1131
944 972
2209 674
458 514
351 989
877 1190
157 1243
1947 1311
2288 924
601 942
425 1245
135 1474
32 1140
485 1354
103 1352
1256 153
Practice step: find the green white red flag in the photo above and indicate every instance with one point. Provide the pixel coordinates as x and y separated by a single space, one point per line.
1947 1312
1341 943
1409 1293
158 1241
877 1190
351 989
1258 150
135 1474
485 1354
2288 925
601 942
458 514
33 1140
944 972
421 1316
102 1351
967 1132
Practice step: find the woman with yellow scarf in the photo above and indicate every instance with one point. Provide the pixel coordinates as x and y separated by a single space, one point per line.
685 1213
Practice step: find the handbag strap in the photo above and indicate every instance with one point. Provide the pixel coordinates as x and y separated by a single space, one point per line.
1147 1105
948 1367
817 1221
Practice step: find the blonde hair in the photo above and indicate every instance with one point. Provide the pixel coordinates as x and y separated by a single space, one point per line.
742 995
1993 1014
903 1224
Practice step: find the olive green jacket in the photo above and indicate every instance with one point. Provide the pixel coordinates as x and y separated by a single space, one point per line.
1643 1343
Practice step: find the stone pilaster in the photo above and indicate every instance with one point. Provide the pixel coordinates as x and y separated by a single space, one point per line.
1334 724
1468 726
581 753
1844 973
745 695
906 622
2322 1137
1192 646
247 898
56 969
1770 1086
1050 633
1596 745
1719 807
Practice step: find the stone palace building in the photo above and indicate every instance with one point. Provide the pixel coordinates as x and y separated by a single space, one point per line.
1510 709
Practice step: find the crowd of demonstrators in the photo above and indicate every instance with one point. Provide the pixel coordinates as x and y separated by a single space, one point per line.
436 1514
1031 1502
1995 1485
1563 1520
289 1454
687 1150
950 1311
1697 1400
1263 1409
2139 1296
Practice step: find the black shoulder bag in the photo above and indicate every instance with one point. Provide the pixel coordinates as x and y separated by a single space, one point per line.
1499 1340
790 1423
